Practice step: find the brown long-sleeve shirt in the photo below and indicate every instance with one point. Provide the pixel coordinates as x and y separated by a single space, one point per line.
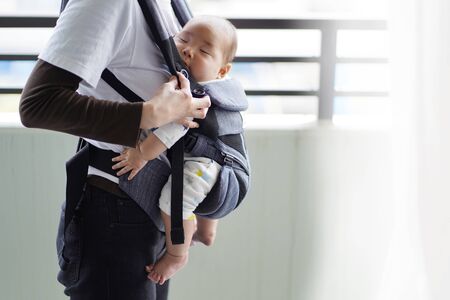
50 101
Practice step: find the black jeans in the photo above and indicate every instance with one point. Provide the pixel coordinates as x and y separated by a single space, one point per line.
107 246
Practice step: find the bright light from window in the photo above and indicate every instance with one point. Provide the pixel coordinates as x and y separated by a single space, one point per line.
256 76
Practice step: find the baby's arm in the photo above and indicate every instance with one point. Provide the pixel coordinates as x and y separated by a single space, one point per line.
134 159
161 139
130 160
156 143
151 147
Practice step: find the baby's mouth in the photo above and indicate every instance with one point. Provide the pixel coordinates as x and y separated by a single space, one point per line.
188 70
187 65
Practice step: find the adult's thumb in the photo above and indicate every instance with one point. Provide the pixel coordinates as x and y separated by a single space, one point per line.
184 82
173 82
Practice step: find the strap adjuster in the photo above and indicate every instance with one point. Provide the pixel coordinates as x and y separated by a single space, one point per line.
189 142
228 160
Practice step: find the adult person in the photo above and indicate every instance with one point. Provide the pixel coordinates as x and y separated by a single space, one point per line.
105 255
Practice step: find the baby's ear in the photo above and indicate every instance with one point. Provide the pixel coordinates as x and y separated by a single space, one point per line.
224 70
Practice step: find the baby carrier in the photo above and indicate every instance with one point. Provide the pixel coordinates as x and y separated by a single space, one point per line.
224 144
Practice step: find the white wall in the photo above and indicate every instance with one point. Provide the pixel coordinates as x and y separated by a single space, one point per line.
315 226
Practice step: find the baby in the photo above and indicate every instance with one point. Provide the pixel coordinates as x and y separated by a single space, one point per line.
207 46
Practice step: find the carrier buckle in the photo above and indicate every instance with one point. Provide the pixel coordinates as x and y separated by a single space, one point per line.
228 160
189 143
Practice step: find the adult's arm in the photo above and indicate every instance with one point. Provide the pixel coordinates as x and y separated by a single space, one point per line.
50 101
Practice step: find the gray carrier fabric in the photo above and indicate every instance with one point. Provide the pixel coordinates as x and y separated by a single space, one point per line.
228 100
227 94
146 186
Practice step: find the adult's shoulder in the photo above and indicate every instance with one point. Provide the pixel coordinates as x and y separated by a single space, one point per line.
88 9
88 35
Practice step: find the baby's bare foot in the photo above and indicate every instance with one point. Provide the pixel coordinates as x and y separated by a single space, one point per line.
166 267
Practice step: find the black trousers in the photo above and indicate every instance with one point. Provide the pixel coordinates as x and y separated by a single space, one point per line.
107 246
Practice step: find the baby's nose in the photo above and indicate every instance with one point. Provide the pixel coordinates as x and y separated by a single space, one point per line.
187 52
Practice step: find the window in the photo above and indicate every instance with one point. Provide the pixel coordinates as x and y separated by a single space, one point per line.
280 55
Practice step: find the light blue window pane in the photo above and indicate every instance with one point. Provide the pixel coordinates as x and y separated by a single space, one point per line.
277 76
362 106
30 7
9 103
23 40
307 105
278 42
362 77
14 74
251 8
362 43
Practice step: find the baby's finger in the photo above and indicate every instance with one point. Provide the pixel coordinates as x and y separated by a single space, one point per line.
119 158
132 174
124 170
119 165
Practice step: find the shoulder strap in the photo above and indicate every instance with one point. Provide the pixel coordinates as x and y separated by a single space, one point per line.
154 19
63 5
119 87
182 11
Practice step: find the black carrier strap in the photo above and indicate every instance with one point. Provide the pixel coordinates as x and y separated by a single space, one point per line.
176 207
76 173
119 87
77 169
182 11
153 17
63 5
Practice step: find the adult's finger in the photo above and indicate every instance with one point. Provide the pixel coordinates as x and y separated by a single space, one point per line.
188 123
184 82
203 102
173 82
200 113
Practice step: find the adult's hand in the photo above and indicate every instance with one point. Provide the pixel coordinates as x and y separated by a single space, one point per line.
172 103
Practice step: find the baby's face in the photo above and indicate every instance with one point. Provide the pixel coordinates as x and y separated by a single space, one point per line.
202 50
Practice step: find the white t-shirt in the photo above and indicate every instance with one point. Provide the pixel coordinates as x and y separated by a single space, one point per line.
92 35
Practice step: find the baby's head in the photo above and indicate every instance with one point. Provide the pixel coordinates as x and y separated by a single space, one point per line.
207 45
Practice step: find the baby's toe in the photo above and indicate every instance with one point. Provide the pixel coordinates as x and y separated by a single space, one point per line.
153 276
162 280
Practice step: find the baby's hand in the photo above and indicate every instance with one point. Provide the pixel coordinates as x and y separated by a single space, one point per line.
129 160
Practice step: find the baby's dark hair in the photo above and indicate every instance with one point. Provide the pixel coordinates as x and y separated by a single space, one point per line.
229 31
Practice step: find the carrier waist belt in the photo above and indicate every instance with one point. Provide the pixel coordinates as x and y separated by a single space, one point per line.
101 159
76 172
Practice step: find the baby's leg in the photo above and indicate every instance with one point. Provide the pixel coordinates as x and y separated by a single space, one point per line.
176 256
206 230
199 176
